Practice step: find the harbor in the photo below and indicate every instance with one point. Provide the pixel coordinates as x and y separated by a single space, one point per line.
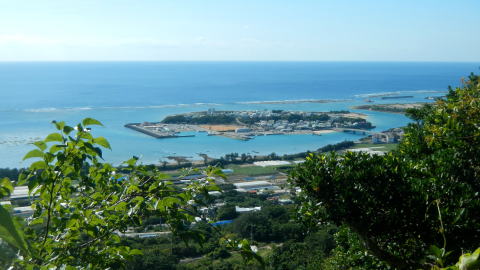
246 125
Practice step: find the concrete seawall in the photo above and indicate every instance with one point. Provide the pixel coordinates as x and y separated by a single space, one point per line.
136 127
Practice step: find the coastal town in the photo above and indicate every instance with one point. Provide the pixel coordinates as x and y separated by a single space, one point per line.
245 125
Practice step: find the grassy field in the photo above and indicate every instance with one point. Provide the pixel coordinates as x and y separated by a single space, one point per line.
379 147
252 170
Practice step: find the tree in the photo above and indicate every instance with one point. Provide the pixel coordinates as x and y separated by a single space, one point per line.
204 157
308 253
226 212
82 203
406 204
180 160
253 225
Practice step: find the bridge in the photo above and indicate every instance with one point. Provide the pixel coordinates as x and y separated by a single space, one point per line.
357 131
377 137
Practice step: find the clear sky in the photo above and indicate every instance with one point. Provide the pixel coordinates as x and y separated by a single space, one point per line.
241 30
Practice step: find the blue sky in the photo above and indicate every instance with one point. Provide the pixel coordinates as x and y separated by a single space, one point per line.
242 30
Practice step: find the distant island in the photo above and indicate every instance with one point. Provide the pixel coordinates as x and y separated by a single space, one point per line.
392 108
245 125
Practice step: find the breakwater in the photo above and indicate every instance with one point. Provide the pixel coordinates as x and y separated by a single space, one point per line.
396 97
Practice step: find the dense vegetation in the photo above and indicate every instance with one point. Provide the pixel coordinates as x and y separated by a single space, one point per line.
414 207
220 118
204 119
11 174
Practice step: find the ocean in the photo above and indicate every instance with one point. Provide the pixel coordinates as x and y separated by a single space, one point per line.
116 93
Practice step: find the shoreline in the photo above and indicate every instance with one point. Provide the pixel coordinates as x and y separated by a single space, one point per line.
293 101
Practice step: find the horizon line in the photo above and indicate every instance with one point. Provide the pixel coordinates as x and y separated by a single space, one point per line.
237 61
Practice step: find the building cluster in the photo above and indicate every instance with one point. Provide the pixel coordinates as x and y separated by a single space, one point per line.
393 135
275 193
287 126
289 121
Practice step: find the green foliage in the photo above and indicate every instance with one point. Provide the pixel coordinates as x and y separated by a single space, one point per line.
6 187
221 118
245 249
271 224
11 174
156 253
350 253
424 194
7 253
336 147
82 203
307 254
201 120
226 212
253 225
468 261
10 232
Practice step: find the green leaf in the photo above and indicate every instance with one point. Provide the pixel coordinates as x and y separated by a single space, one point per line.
36 221
90 121
459 215
41 145
54 137
85 135
6 187
34 153
102 142
10 232
57 147
59 125
136 252
67 129
470 261
22 179
39 165
73 223
132 161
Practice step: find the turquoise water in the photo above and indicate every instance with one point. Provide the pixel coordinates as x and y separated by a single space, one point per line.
34 94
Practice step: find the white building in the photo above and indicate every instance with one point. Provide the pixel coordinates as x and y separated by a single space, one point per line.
247 209
254 185
20 192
